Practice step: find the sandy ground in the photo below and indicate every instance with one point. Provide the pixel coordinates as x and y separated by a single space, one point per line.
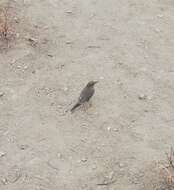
55 48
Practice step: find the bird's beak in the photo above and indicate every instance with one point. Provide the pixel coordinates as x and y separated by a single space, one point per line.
95 82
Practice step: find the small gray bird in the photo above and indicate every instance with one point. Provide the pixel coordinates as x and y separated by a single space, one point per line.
85 94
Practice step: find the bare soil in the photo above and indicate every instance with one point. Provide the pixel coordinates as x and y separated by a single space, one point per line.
53 49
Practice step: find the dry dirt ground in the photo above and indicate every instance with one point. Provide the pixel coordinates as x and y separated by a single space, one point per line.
54 48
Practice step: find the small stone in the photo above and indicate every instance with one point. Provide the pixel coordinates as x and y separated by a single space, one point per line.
59 106
121 165
50 55
17 35
59 155
4 181
2 154
116 130
94 167
69 12
25 67
142 97
111 175
65 89
69 42
23 146
101 78
84 125
32 40
84 160
1 94
109 128
149 97
160 16
13 61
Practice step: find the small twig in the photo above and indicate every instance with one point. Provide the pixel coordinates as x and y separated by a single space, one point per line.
51 166
107 182
93 46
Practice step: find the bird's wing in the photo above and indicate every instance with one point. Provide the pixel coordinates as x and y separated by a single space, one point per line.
86 94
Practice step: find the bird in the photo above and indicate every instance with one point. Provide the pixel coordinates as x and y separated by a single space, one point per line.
85 94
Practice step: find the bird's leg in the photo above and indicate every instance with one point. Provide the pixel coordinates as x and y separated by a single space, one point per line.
84 107
89 103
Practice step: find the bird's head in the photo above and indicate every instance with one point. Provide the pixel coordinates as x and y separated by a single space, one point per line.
91 83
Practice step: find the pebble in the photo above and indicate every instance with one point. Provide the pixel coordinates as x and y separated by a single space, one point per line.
149 97
69 12
59 155
84 160
17 35
142 97
32 39
23 146
94 167
111 175
13 61
25 67
58 106
49 55
116 130
121 165
146 110
65 89
17 21
160 16
2 154
4 181
1 94
69 42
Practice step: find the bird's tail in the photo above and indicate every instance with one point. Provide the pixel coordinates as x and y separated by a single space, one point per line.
75 106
